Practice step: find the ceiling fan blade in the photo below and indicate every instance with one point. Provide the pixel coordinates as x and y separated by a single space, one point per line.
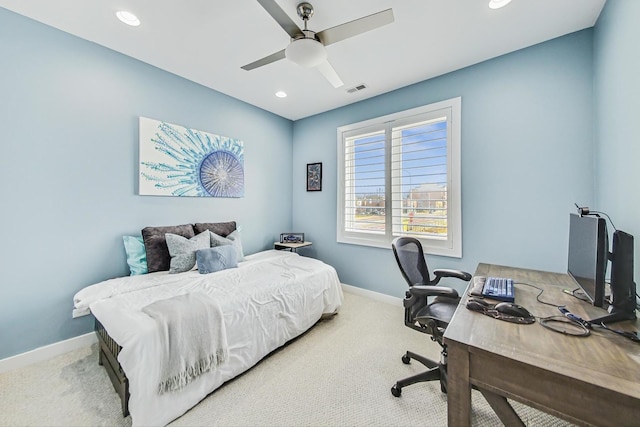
355 27
330 74
264 61
281 17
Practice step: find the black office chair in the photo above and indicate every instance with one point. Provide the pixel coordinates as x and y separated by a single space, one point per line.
430 316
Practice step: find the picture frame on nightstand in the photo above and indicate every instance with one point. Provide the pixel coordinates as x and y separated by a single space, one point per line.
291 237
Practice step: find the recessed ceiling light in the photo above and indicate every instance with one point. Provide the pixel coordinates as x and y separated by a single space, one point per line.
128 18
281 94
497 4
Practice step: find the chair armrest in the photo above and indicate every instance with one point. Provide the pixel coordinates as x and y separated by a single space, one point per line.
429 291
445 272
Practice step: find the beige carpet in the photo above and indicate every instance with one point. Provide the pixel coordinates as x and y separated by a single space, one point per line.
337 374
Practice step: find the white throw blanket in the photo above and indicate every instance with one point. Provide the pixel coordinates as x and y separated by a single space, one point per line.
192 335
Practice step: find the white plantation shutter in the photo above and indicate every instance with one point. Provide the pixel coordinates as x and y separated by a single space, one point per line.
419 179
399 175
365 183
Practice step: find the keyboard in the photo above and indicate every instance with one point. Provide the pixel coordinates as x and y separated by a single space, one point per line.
499 288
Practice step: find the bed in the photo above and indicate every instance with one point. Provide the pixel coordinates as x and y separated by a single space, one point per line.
270 298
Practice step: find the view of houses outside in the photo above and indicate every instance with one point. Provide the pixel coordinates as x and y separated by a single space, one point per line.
418 191
423 211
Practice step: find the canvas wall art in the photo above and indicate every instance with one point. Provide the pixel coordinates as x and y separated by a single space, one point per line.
178 161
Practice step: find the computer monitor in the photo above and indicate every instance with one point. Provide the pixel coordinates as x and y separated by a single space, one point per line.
588 254
587 265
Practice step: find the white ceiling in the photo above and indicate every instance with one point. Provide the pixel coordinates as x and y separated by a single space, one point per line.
207 41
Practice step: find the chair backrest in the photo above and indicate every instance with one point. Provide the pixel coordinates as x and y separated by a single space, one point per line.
410 257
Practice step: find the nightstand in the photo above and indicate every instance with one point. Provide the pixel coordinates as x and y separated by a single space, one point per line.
293 247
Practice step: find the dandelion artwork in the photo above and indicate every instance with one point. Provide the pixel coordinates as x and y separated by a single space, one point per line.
178 161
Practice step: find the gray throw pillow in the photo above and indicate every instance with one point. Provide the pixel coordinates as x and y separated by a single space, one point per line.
183 250
216 259
220 228
232 239
155 244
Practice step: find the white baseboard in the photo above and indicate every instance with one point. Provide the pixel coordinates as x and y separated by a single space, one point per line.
372 294
47 352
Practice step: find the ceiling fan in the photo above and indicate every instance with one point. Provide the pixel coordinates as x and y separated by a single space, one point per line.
307 48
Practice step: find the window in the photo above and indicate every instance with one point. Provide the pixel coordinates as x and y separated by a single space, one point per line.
399 175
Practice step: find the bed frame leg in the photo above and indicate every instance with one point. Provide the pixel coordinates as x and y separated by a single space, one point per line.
125 401
108 357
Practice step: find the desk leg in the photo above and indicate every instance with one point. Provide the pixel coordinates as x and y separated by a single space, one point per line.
458 385
502 408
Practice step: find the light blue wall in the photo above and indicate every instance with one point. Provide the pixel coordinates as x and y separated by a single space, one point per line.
68 171
69 112
617 108
527 156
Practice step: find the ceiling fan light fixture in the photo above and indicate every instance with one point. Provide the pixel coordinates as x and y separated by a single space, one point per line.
497 4
306 52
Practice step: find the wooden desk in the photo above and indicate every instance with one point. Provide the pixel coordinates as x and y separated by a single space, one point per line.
592 380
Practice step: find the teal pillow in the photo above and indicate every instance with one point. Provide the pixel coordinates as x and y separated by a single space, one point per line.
183 250
136 254
232 239
216 259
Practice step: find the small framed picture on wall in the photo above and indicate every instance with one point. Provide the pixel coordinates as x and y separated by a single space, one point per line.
314 176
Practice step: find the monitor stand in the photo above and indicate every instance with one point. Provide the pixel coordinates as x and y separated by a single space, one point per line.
622 308
614 316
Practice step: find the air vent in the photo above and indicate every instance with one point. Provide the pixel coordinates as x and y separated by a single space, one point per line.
357 88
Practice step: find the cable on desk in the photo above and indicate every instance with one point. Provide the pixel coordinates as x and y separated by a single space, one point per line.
581 292
560 324
633 336
576 329
539 293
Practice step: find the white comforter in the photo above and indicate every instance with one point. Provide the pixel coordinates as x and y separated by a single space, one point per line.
269 299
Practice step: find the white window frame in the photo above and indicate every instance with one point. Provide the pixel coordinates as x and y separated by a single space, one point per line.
452 246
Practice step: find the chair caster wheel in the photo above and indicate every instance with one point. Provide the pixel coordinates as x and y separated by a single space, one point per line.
406 359
396 391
